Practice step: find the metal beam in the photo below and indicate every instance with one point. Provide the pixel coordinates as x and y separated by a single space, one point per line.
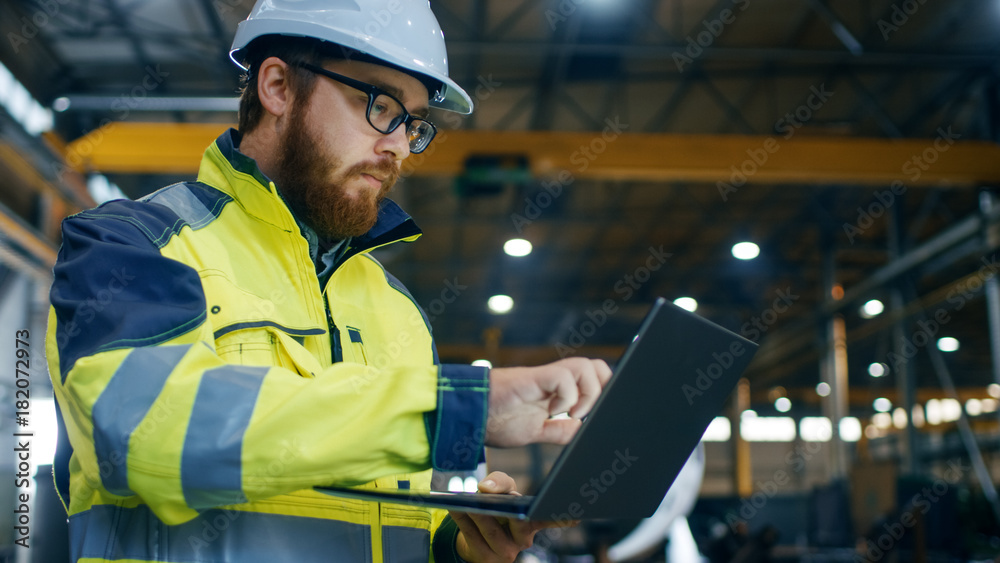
878 59
14 229
130 148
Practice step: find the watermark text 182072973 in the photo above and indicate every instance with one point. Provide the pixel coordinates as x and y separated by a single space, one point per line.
22 438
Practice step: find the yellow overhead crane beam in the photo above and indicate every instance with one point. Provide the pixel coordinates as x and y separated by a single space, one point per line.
727 161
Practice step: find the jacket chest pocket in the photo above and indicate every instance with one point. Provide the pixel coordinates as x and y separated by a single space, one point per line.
268 346
260 331
354 350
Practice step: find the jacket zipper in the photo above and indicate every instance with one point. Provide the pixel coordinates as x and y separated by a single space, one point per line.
335 347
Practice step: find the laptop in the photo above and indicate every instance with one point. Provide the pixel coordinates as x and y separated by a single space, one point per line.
671 382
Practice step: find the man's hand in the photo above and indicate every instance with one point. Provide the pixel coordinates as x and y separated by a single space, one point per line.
490 539
523 400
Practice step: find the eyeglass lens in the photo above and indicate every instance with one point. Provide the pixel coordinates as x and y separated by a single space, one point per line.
386 114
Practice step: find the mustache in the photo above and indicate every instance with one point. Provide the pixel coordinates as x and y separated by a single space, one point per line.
384 169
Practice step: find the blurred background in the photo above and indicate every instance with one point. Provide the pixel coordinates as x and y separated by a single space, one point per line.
819 176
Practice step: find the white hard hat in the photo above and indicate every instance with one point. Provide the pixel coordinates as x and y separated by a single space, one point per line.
402 33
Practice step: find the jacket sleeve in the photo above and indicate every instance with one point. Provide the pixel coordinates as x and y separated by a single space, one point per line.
151 410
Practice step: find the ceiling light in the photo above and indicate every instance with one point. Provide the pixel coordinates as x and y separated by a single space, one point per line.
850 429
882 404
823 389
947 344
784 404
876 369
951 410
746 250
882 420
933 409
687 303
500 304
974 407
517 247
815 429
899 418
872 309
60 104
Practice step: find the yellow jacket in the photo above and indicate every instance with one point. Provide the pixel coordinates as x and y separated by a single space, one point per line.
207 382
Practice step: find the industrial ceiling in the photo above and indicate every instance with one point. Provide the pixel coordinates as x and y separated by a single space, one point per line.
631 142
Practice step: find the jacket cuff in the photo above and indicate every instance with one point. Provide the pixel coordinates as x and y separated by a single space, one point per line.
443 545
456 430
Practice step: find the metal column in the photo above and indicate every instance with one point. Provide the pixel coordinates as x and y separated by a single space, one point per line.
742 473
987 204
905 376
834 369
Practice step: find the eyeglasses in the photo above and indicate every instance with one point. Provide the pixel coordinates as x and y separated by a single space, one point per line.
385 112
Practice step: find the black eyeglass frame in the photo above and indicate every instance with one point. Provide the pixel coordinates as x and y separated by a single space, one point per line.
373 93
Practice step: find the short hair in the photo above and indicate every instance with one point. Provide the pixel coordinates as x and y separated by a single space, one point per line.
294 51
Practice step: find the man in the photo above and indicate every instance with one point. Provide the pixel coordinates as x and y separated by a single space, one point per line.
222 346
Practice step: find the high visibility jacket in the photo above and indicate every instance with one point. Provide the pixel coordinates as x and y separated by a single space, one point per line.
207 382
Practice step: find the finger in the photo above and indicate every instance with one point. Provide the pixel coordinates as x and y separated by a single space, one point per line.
497 535
562 381
474 540
559 431
522 532
498 482
590 389
603 371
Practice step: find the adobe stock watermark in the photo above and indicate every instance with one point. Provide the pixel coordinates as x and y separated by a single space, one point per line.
32 26
919 504
900 16
758 325
483 91
928 328
713 29
582 158
626 287
912 169
752 330
563 11
759 156
964 292
592 489
450 293
87 311
122 108
112 466
390 352
216 521
750 507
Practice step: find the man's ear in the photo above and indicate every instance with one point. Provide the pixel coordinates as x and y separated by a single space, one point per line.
272 86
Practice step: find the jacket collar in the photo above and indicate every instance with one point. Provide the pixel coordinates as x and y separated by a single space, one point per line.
224 167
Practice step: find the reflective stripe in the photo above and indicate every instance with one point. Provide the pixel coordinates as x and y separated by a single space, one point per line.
405 545
212 460
182 200
112 532
124 403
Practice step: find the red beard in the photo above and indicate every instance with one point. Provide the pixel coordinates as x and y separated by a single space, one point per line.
303 178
